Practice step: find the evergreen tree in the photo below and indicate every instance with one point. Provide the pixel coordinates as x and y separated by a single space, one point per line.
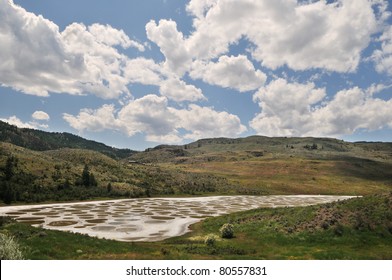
9 168
86 176
9 194
109 188
92 181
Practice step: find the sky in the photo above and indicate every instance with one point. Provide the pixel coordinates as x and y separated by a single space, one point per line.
135 74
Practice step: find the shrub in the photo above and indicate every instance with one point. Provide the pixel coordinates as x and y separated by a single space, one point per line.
227 231
9 248
210 240
338 230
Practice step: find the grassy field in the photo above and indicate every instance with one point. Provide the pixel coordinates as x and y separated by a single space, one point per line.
359 228
300 175
262 165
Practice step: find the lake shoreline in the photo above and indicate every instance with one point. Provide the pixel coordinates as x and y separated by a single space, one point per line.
148 219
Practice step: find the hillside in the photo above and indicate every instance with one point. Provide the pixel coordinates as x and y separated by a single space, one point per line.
258 146
264 165
38 140
79 174
33 169
39 166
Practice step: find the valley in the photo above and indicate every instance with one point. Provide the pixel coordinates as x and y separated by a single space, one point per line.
37 167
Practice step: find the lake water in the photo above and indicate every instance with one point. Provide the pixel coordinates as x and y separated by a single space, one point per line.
147 219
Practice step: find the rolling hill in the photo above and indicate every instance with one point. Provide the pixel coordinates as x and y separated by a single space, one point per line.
40 166
279 165
37 166
258 146
38 140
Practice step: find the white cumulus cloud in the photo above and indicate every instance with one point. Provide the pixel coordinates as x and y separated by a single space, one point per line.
14 120
205 122
36 58
152 116
143 71
235 72
302 35
40 116
178 90
94 120
383 56
293 109
171 43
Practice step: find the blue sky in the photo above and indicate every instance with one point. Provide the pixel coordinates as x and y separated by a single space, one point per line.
137 74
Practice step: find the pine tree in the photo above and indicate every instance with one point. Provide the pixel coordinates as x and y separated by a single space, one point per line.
92 180
9 194
109 188
9 168
86 176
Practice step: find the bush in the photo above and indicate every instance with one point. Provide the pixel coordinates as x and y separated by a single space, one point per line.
227 231
9 248
210 240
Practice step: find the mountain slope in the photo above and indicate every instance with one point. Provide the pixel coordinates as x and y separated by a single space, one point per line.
38 140
280 165
223 149
38 166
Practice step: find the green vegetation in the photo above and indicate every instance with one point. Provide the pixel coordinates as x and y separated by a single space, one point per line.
227 231
210 240
44 141
359 228
75 174
37 166
9 249
255 165
262 165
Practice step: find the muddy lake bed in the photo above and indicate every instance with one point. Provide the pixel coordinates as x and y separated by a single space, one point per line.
147 219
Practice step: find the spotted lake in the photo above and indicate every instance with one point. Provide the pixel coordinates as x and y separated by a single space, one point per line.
146 219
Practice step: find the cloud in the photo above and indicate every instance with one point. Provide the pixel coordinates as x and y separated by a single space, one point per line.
171 43
301 35
199 7
351 110
205 122
286 108
112 37
147 72
292 109
40 116
14 120
38 59
143 71
179 91
383 57
151 116
315 35
235 72
94 120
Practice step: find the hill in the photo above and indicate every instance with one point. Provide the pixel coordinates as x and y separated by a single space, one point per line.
279 165
38 140
79 174
40 166
258 146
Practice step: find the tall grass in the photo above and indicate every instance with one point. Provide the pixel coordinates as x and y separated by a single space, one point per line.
9 248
